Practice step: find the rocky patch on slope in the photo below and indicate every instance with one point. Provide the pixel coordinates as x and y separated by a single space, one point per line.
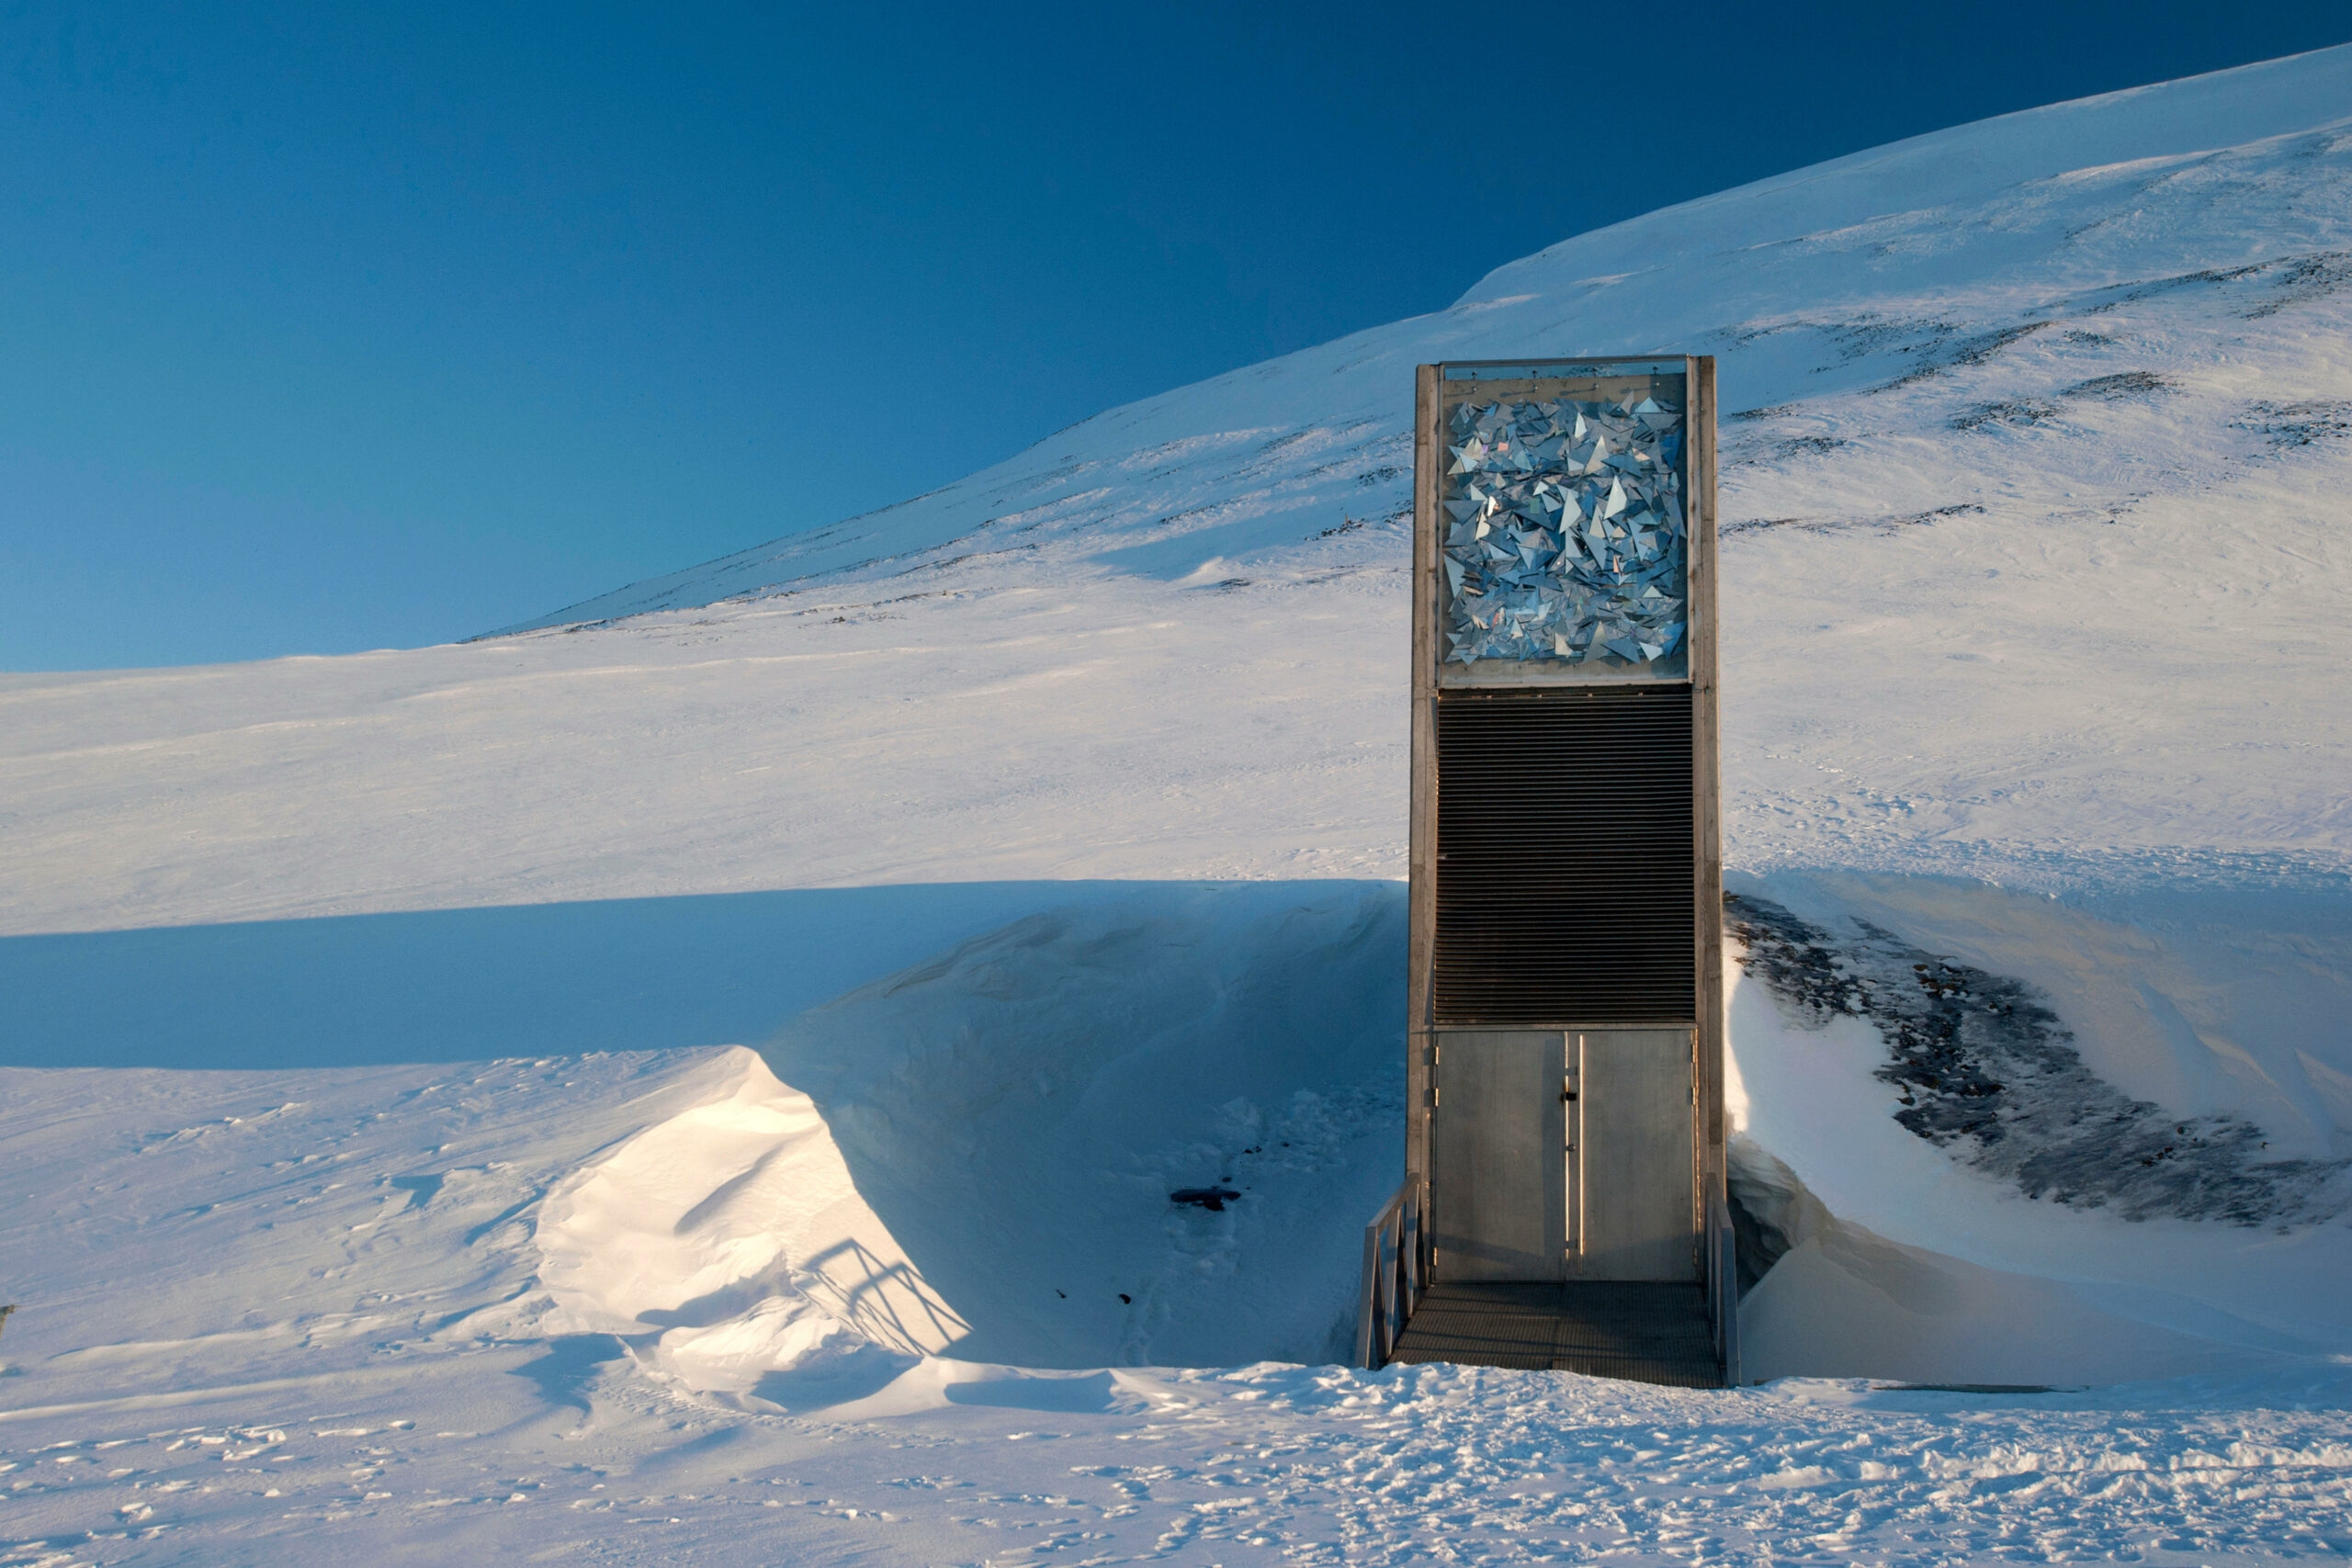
1984 1069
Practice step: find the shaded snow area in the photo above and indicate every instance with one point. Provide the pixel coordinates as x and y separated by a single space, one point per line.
979 1156
881 1047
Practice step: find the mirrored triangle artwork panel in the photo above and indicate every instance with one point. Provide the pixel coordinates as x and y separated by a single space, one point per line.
1565 540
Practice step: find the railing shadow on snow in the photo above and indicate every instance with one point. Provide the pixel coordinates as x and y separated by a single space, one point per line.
888 1302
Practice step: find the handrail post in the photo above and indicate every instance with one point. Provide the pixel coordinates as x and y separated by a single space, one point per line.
1429 1234
1392 1276
1409 1245
1723 1266
1715 1273
1370 1302
1388 1324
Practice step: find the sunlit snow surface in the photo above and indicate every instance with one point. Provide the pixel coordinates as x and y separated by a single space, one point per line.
1034 836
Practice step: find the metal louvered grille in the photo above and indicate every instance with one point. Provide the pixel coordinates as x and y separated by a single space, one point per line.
1566 868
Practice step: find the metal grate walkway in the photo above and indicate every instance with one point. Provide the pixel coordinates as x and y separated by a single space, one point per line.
1646 1333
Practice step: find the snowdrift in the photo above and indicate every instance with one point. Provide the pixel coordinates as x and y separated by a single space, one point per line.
976 1154
975 1157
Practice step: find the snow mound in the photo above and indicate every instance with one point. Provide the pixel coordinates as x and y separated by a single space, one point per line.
732 1229
977 1155
1021 1110
1838 1301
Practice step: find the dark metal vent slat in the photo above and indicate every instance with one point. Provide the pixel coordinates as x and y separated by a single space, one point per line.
1566 860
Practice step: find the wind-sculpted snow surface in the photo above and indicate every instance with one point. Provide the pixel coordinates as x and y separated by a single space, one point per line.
417 1399
979 1156
964 1463
668 1304
1984 1069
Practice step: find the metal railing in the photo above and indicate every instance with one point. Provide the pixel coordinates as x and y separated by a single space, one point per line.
1394 1273
1722 1286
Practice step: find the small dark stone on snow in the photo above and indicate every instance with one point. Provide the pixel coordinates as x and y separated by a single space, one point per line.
1213 1199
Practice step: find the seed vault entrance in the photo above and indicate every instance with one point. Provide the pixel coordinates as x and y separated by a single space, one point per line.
1565 1130
1605 1114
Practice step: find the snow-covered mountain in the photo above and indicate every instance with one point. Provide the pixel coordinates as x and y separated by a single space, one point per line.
2031 439
1036 834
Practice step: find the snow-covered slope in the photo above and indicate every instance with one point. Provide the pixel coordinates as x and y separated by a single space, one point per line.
2031 553
1023 831
1833 279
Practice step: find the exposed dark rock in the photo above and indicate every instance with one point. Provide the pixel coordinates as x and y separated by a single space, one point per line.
1983 1068
2128 384
2299 425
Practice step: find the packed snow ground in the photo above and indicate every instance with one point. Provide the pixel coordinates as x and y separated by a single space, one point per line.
363 1318
701 1081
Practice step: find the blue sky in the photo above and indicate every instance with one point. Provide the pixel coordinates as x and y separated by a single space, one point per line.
325 328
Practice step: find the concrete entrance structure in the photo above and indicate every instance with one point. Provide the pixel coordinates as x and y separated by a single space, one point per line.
1564 1137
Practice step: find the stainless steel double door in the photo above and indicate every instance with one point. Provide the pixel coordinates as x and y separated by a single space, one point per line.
1564 1155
